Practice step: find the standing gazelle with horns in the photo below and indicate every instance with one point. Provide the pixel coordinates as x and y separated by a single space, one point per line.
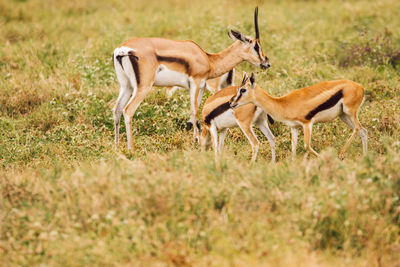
303 107
141 63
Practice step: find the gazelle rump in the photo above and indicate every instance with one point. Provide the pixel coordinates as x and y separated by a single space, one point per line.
218 115
141 63
302 108
212 85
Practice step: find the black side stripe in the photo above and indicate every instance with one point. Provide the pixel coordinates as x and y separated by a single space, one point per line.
332 101
134 61
177 60
119 58
229 79
216 112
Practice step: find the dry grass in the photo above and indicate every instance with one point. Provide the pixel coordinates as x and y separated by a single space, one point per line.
168 209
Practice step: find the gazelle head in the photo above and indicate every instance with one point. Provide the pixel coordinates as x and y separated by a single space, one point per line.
205 139
251 50
245 93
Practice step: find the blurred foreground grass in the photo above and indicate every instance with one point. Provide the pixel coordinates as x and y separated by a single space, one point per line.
178 209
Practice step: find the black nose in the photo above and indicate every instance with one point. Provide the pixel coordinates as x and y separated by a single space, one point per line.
265 65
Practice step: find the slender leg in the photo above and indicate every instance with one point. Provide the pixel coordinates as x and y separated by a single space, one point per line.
353 122
222 139
202 86
295 134
124 95
214 138
209 88
307 128
364 138
198 96
263 125
194 93
362 132
171 90
255 144
131 108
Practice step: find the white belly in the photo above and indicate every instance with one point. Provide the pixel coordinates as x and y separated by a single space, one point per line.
167 77
225 120
329 114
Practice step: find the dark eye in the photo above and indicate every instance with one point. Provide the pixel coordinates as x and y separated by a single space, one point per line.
243 90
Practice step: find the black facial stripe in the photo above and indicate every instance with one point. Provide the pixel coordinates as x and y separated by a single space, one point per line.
134 61
239 96
216 112
332 101
177 60
257 48
229 79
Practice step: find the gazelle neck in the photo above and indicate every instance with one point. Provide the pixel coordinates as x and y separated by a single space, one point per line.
225 60
268 103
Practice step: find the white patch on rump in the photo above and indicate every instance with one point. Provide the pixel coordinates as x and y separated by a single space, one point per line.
123 51
167 77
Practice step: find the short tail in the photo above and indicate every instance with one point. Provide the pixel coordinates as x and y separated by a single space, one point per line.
119 54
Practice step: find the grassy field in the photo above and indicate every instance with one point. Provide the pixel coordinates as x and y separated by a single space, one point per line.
67 198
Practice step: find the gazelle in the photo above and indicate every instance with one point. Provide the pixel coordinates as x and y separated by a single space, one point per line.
141 63
218 115
303 107
212 85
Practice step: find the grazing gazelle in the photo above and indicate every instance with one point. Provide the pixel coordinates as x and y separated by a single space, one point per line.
212 85
218 115
141 63
303 107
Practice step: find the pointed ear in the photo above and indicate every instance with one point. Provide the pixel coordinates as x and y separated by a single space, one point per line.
235 35
252 80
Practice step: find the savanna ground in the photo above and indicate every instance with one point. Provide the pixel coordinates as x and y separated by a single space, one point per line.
67 198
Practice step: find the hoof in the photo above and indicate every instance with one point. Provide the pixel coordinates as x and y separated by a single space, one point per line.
189 126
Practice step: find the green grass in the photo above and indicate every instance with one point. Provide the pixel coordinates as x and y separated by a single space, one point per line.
69 199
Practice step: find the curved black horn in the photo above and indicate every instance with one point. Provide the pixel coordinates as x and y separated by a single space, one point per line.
256 23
